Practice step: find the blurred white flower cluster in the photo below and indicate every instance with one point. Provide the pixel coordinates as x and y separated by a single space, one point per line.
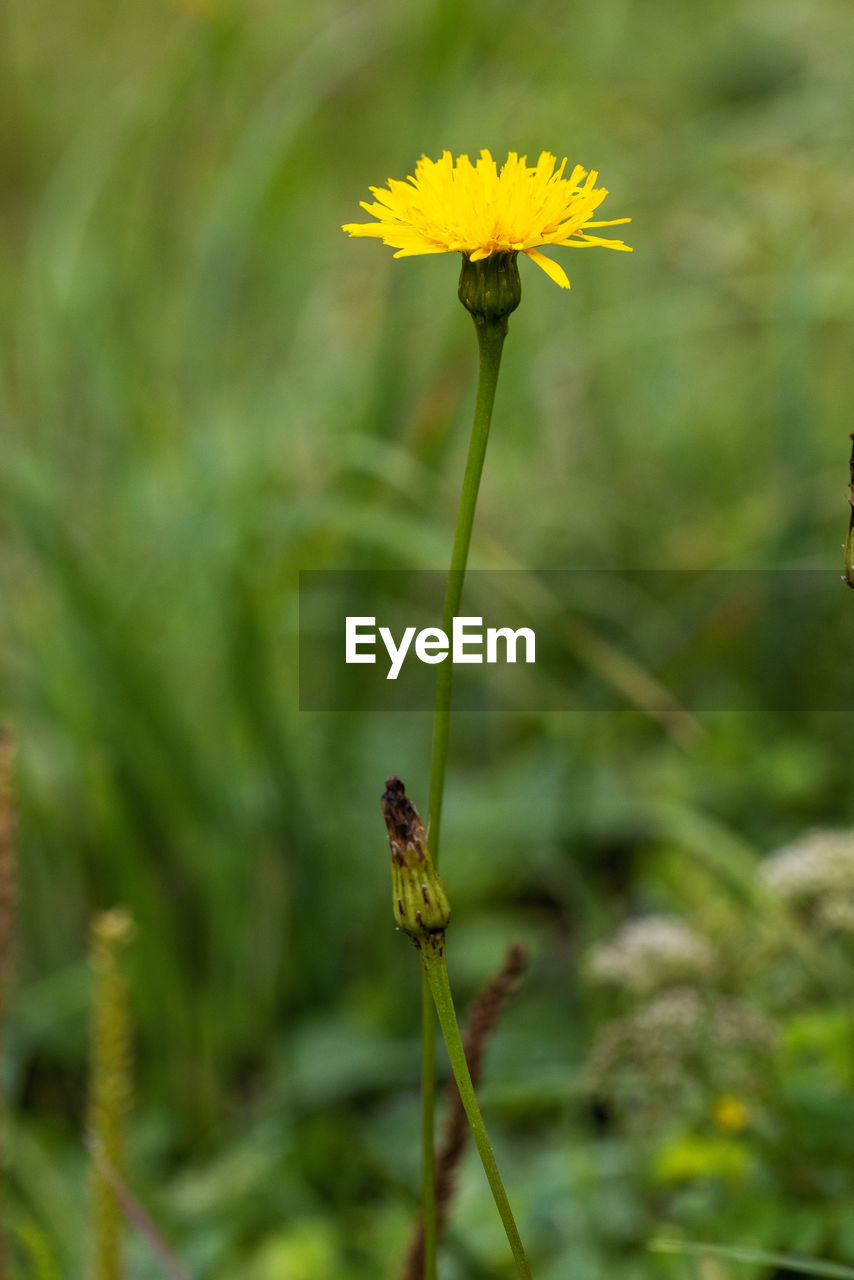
692 1042
650 954
816 875
684 1047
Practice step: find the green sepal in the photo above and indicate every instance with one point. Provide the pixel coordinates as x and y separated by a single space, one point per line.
491 288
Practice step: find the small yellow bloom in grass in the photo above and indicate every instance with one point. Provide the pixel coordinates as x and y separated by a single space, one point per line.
729 1115
477 210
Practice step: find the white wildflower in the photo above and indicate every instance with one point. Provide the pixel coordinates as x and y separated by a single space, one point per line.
651 953
816 874
679 1050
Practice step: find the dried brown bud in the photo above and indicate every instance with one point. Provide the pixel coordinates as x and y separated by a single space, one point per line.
421 905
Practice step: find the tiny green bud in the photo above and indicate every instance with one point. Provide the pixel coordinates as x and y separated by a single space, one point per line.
421 906
490 288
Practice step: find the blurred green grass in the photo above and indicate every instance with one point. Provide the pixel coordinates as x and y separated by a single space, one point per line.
204 387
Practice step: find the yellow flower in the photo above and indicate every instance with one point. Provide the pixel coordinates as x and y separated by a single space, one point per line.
729 1114
453 206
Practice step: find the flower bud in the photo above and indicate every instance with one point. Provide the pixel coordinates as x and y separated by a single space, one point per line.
490 288
421 906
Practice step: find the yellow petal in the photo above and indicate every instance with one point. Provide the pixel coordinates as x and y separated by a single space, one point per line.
364 229
415 253
481 208
551 268
590 242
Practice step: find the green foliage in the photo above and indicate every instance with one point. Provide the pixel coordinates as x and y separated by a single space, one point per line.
724 1088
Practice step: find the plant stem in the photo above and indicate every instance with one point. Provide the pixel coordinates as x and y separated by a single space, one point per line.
433 958
490 337
428 1131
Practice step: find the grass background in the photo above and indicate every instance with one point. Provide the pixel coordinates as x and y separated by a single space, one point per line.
204 387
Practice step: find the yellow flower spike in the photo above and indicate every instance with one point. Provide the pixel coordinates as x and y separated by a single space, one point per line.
452 206
110 1087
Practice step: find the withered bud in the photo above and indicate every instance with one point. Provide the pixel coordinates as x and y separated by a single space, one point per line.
421 906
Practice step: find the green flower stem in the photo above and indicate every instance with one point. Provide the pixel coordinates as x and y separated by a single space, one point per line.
490 337
428 1131
433 958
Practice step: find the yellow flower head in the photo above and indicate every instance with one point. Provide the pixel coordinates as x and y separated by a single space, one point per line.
730 1114
476 209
